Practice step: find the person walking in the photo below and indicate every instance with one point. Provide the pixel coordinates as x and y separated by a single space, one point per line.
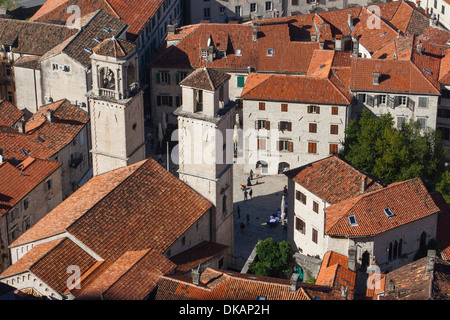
245 195
251 193
249 182
285 190
251 174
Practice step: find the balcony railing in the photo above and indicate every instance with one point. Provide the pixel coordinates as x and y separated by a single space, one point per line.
107 93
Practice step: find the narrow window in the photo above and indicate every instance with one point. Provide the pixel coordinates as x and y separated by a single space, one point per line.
315 207
315 235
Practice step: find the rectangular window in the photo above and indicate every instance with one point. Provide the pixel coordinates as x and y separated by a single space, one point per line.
294 2
312 147
262 106
238 11
423 102
206 13
163 77
285 126
401 100
443 9
284 145
261 144
222 10
315 207
400 122
314 109
178 101
313 128
25 203
270 52
334 111
334 148
300 196
240 81
300 225
315 235
12 215
179 76
334 129
284 107
164 100
262 124
252 7
423 122
268 5
54 66
361 97
382 99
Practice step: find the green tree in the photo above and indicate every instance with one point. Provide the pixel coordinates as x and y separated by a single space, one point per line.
444 186
274 259
374 145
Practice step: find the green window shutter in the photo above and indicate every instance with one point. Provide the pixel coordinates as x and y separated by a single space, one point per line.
158 77
240 81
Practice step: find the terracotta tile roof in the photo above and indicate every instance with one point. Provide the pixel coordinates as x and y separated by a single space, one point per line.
131 277
395 76
50 261
197 255
333 179
414 282
9 114
68 121
334 273
136 14
408 201
116 48
320 64
444 72
21 34
16 181
227 285
437 36
286 88
28 62
206 79
77 204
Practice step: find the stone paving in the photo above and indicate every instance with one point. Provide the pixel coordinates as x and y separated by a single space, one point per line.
266 200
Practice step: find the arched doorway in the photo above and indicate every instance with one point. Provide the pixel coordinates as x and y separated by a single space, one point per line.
365 260
282 167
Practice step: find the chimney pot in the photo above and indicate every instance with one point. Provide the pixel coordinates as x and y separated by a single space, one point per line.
255 34
350 20
364 177
49 115
171 29
195 277
431 256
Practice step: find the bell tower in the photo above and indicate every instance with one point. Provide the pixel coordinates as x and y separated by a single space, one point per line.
205 150
116 106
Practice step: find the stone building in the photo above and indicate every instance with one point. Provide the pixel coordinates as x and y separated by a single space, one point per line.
205 150
340 208
117 106
29 190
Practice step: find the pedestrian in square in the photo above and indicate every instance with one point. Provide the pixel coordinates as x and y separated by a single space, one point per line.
245 195
251 193
285 191
251 174
249 182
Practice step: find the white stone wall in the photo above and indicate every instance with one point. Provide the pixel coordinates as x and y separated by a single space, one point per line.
428 113
436 7
302 6
29 280
59 84
29 94
217 15
299 135
41 201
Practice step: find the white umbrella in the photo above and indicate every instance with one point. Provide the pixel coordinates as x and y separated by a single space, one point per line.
283 205
164 122
160 133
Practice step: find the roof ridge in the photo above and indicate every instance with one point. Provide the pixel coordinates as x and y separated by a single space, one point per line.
209 78
112 9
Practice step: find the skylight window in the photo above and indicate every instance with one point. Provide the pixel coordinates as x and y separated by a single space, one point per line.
106 29
427 71
88 50
270 52
352 220
238 52
389 212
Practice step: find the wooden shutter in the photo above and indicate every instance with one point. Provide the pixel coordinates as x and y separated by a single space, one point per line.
313 127
334 129
267 125
256 125
289 126
315 207
262 106
334 110
290 146
297 195
317 109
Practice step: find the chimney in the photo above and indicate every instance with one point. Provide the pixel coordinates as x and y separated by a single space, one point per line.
171 29
321 44
294 281
21 125
338 42
49 115
419 48
352 258
376 78
431 256
344 292
350 20
195 277
355 47
391 286
210 50
255 33
364 178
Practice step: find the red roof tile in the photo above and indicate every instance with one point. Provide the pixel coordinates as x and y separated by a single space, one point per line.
333 179
408 201
16 181
9 114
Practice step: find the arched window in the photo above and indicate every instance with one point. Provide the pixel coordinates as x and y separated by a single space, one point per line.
423 240
394 251
390 251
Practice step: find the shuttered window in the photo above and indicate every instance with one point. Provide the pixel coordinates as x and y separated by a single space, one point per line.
334 129
333 148
300 225
313 127
312 147
240 81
